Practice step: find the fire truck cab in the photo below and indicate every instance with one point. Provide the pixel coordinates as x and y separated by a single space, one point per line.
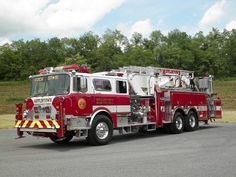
69 101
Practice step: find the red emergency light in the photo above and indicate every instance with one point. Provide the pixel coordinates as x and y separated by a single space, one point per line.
67 68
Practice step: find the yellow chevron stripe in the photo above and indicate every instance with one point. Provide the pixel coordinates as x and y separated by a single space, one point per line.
32 124
47 124
18 123
55 124
39 124
25 123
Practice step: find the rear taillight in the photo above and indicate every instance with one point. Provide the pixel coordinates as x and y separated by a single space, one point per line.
36 109
47 109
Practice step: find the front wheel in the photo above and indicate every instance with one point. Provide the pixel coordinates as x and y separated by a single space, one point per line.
101 131
177 125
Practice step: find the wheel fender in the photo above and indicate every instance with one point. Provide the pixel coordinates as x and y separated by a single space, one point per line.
96 113
178 109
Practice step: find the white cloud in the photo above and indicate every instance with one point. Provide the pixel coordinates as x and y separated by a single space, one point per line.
50 17
4 41
143 27
213 15
231 25
19 16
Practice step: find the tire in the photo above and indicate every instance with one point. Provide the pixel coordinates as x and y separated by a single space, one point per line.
64 140
191 121
101 131
166 128
177 126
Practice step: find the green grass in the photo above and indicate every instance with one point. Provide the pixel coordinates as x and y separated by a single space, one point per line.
7 121
12 93
226 90
228 116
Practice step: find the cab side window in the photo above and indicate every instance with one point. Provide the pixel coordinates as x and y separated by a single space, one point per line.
77 85
102 84
121 87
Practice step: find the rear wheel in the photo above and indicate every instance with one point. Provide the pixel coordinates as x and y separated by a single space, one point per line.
191 121
177 125
63 140
101 131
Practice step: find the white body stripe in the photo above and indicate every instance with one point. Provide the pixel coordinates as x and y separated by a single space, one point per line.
123 108
110 108
218 108
114 109
202 108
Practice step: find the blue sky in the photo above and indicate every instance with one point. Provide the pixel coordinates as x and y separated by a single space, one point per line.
168 15
163 14
28 19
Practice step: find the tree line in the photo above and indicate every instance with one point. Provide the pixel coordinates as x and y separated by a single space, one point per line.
214 53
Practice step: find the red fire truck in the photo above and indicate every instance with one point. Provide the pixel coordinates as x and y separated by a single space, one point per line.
69 101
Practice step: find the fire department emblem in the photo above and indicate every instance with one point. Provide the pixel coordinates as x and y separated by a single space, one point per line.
82 103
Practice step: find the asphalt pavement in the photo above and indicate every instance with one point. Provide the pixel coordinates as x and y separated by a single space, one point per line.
207 152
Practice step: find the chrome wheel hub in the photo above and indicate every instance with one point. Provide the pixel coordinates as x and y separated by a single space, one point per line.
192 121
179 123
102 130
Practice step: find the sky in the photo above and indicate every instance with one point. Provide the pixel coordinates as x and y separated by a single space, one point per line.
43 19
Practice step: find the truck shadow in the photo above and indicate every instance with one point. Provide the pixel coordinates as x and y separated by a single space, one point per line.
82 143
154 134
208 126
58 147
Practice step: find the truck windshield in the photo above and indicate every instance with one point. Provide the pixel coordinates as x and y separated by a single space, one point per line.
50 85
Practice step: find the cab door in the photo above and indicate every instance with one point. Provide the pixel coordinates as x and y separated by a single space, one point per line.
123 102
